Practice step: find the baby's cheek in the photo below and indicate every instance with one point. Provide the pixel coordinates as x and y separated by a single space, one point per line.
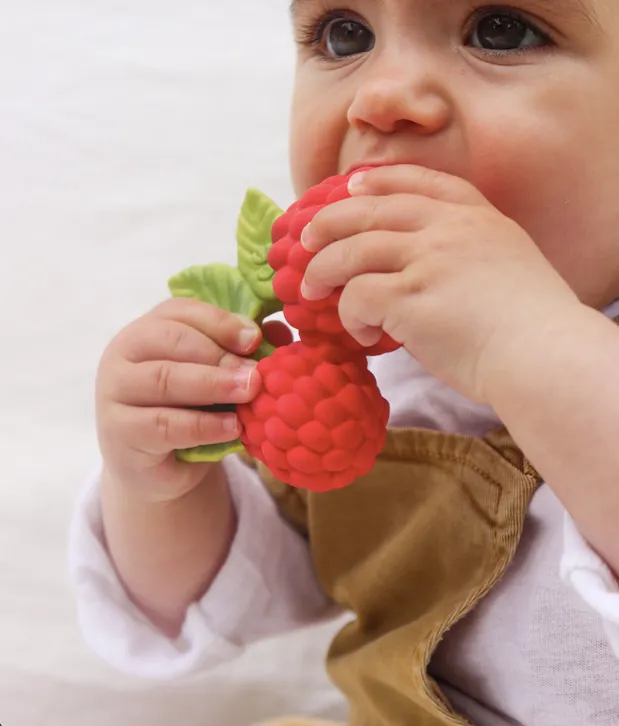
318 128
565 212
313 156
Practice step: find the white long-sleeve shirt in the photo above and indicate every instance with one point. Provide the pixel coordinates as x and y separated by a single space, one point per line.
558 598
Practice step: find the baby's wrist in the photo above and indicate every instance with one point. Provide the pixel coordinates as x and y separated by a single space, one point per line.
129 492
527 356
150 490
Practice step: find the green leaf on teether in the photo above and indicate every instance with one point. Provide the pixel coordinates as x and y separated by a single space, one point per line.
264 351
256 219
219 285
211 454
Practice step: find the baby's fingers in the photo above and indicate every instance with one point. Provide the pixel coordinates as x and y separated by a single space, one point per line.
157 431
164 339
229 331
415 180
168 383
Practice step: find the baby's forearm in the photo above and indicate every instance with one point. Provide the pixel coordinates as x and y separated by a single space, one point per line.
168 554
560 401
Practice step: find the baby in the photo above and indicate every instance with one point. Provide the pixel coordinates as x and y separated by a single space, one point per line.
477 558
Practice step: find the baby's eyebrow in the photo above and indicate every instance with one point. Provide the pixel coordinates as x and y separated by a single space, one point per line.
296 6
580 9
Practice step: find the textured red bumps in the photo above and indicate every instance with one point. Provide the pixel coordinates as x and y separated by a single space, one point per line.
316 321
320 420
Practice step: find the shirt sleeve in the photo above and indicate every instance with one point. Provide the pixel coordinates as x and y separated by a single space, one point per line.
592 579
266 587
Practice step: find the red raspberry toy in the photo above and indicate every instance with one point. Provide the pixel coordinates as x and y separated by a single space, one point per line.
317 321
320 420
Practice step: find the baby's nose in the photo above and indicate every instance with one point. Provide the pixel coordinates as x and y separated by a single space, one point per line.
390 99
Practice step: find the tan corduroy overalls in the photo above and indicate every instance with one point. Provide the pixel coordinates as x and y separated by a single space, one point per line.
410 549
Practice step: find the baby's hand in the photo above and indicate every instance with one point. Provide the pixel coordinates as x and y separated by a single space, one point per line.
182 355
426 258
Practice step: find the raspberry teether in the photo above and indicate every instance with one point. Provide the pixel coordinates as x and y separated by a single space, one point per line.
319 421
318 320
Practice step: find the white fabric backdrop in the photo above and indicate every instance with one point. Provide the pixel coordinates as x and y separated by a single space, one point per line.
129 131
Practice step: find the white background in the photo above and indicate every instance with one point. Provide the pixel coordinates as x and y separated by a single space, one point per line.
129 131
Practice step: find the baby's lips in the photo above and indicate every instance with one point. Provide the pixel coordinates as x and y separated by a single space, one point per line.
361 169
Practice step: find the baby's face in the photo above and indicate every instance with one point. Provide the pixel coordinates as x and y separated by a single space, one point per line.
522 100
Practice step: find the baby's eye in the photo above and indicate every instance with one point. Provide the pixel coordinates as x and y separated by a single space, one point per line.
343 38
505 31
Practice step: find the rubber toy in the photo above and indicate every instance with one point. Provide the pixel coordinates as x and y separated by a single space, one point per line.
317 321
319 421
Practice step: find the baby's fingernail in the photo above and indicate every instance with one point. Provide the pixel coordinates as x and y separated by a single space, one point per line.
248 334
236 363
306 237
305 290
356 181
230 422
243 378
310 292
248 363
